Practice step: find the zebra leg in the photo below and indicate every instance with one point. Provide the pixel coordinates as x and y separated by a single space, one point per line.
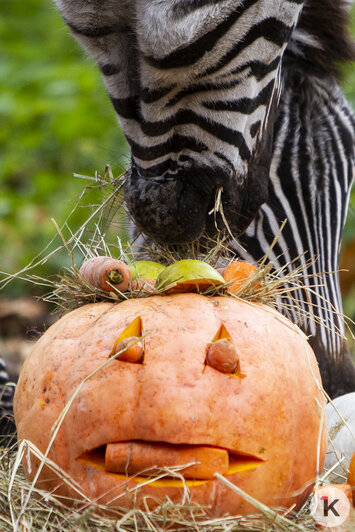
310 180
7 424
338 376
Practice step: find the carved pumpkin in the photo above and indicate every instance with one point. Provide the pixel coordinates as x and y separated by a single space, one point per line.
258 425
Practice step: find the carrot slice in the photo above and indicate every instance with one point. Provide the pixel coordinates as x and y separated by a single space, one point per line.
135 457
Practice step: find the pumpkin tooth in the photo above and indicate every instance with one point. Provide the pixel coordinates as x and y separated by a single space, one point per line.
96 459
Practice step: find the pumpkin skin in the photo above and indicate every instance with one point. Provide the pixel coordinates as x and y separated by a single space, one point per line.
270 412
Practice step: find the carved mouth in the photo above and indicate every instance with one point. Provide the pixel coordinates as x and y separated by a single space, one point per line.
138 460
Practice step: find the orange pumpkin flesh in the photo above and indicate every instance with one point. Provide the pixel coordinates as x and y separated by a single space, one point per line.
268 422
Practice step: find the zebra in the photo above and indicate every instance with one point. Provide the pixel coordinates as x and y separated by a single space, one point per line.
240 96
7 425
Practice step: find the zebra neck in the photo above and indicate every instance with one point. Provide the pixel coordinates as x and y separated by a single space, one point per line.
310 179
321 41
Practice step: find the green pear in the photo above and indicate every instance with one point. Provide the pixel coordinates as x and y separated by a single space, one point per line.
188 276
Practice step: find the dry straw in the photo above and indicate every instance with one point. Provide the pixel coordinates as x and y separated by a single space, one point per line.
23 506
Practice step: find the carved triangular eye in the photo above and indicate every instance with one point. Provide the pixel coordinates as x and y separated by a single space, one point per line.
222 354
129 344
221 333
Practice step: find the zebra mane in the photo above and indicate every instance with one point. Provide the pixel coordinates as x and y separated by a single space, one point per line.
322 42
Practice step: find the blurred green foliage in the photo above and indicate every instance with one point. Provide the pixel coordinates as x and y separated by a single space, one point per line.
56 119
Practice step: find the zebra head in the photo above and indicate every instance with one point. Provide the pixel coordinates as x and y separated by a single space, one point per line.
195 84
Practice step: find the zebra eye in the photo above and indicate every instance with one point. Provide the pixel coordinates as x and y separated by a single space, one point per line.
129 345
222 354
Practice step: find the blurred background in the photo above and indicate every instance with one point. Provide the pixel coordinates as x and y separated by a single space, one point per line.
56 119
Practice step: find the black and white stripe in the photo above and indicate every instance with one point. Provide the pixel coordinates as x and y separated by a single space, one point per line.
7 426
311 175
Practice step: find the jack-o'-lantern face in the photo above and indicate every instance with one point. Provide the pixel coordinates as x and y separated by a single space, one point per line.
219 384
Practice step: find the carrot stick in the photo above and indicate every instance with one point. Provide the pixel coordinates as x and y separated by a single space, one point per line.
100 271
134 457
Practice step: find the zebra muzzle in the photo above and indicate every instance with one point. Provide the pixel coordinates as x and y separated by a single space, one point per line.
170 210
